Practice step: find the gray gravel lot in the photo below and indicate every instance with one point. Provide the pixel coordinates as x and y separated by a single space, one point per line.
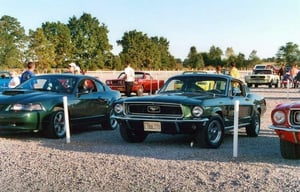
98 160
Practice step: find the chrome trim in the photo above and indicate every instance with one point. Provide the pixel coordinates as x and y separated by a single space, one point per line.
159 120
288 129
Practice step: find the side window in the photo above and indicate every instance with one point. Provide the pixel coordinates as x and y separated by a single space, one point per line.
87 86
100 87
237 89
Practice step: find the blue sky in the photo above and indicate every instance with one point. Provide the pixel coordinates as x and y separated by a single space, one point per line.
244 25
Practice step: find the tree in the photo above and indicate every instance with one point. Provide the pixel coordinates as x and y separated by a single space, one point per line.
229 52
253 59
215 56
194 59
90 41
12 42
41 50
59 35
288 54
145 52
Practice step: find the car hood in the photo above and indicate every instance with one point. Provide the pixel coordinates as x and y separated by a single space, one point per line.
26 96
284 106
182 98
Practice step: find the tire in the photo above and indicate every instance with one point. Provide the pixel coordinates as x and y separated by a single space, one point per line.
55 128
249 85
276 85
110 124
253 129
132 136
289 150
212 135
255 85
270 84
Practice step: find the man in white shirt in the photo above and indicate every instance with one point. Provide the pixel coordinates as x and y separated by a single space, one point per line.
129 79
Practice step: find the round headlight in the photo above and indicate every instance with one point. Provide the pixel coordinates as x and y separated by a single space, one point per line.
197 111
279 117
297 117
118 108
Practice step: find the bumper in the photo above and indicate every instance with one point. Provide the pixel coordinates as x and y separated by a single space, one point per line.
289 134
169 126
258 82
19 121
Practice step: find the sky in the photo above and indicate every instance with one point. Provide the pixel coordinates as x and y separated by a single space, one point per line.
243 25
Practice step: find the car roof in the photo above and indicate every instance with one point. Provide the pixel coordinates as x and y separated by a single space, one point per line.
204 75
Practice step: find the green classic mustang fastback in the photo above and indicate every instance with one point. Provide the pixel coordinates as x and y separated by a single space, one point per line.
201 105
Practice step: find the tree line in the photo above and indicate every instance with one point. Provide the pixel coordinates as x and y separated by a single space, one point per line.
84 41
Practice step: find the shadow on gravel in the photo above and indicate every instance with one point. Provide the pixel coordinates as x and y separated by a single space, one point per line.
264 148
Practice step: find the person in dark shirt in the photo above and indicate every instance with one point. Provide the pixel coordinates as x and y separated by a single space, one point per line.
29 72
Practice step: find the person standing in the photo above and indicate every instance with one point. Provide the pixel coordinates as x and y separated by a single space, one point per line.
15 80
73 68
234 72
218 69
129 79
29 72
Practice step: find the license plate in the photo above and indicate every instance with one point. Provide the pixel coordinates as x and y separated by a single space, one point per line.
152 126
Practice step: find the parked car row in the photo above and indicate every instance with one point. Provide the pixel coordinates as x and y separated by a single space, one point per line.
200 105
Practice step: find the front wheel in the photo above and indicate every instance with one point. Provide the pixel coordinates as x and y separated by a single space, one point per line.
289 150
132 136
253 129
212 134
55 127
111 123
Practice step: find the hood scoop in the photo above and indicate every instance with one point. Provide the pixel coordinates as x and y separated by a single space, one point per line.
15 91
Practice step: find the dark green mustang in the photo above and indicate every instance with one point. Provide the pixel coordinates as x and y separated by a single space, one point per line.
37 104
201 105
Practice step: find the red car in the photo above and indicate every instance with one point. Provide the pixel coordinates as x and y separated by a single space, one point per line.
286 123
144 83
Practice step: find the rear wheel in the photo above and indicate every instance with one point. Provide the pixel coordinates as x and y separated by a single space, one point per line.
132 136
212 134
289 150
56 125
253 129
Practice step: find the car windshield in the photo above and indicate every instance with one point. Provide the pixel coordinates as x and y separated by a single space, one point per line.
196 84
60 84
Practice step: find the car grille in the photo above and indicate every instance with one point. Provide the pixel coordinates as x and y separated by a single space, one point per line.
293 120
257 77
154 109
117 82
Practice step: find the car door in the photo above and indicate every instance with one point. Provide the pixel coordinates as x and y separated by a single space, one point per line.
238 93
89 106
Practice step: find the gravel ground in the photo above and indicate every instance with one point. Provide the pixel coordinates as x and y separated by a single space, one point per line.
97 160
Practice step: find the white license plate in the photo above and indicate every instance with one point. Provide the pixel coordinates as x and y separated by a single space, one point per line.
152 126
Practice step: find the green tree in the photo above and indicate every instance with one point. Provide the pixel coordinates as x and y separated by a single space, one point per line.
12 42
194 59
145 52
59 35
215 56
253 59
288 54
90 41
41 50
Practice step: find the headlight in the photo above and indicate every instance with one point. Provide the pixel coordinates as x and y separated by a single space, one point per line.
197 111
118 108
279 117
297 117
26 107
